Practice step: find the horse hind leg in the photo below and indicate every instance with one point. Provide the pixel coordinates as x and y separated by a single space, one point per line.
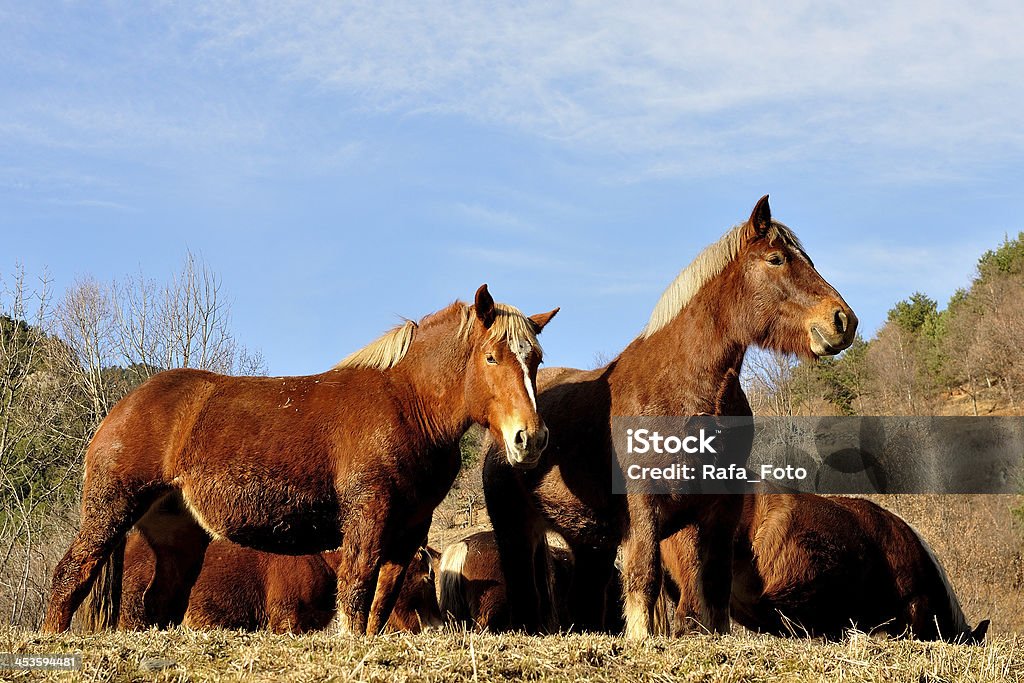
715 549
109 509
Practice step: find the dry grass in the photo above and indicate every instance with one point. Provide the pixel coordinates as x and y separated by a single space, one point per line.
459 656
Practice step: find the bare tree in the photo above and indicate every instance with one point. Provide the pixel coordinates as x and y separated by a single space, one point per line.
897 380
184 323
39 442
86 322
997 332
769 383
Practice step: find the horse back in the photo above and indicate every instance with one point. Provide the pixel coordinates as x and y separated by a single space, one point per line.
139 437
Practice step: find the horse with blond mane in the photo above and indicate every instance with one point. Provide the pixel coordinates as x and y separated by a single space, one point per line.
755 286
355 458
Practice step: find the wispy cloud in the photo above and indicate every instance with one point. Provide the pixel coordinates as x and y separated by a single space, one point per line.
722 85
909 89
93 204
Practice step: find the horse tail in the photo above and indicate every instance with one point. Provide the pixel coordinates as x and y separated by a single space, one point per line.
101 608
453 600
956 627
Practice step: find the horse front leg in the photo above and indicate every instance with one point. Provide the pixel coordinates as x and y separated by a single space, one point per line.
716 540
358 570
716 549
395 563
641 568
519 532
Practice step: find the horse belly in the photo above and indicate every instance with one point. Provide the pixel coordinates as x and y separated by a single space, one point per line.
266 513
577 521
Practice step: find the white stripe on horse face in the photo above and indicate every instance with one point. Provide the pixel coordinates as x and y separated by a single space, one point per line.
521 353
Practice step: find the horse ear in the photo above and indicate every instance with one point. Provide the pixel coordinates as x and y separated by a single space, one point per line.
484 305
760 219
979 632
540 320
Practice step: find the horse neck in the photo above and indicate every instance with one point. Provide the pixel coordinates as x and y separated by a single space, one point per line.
691 365
434 372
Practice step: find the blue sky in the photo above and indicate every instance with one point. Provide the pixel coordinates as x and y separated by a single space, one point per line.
340 166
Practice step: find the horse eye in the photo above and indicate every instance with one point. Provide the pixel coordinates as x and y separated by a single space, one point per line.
776 259
491 360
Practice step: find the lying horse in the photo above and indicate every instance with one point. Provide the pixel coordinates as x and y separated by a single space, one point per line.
472 588
355 458
241 588
820 565
756 286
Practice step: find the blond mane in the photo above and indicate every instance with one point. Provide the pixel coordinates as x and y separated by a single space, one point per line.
708 264
383 353
388 351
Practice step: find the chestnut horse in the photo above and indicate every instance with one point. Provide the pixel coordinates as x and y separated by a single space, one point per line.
241 588
472 589
820 565
756 286
355 458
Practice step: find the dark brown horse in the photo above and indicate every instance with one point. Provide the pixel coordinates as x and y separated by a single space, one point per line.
241 588
756 286
355 458
821 565
472 589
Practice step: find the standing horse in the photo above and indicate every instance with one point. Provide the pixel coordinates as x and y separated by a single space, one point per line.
241 588
355 458
820 565
755 286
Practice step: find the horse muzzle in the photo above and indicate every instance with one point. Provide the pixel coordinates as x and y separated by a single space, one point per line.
525 447
829 337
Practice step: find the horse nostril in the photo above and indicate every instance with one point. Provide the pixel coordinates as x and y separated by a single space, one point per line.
841 321
521 438
542 438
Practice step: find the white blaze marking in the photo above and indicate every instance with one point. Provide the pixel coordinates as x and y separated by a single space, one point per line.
520 354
